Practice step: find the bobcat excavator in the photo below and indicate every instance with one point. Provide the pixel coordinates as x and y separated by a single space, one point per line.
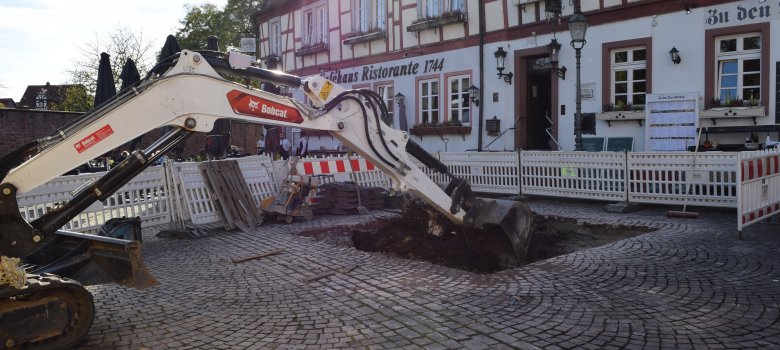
187 92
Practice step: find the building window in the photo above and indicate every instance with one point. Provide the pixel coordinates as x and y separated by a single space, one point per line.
458 108
429 101
369 15
436 8
315 26
737 65
275 37
629 76
738 60
386 93
41 102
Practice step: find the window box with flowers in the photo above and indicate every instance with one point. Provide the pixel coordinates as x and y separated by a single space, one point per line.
622 112
733 108
438 21
362 37
448 128
311 49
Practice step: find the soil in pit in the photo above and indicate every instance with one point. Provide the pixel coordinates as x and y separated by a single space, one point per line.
407 237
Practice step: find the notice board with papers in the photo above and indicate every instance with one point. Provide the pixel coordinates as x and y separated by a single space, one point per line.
671 122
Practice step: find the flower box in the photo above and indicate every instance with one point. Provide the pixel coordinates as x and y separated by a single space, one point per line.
365 37
311 49
436 22
440 130
733 112
621 116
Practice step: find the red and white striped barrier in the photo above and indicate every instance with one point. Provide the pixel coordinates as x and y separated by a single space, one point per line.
327 167
759 186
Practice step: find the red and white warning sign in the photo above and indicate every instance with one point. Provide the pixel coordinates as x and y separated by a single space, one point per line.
93 138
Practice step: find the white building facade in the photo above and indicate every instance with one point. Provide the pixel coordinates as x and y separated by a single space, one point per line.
432 51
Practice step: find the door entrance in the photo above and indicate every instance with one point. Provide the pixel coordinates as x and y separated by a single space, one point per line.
537 110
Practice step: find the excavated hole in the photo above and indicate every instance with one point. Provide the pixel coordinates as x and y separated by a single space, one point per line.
550 236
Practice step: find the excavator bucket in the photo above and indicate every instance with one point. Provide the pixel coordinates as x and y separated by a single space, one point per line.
500 228
93 259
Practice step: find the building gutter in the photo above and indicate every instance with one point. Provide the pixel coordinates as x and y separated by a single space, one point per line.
481 116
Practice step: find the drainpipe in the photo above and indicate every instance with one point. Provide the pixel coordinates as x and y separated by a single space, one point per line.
481 73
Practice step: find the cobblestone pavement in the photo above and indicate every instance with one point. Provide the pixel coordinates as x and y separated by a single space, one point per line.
689 284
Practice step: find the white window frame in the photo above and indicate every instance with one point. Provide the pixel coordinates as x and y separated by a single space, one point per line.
275 37
436 8
314 21
41 101
432 107
458 99
739 56
386 92
629 67
369 15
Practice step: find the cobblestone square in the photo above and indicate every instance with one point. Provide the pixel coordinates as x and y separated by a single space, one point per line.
688 284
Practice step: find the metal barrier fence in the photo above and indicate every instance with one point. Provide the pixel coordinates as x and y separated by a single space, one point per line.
589 175
705 179
177 192
759 186
144 196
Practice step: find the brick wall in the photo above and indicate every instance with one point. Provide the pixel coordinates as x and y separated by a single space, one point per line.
20 126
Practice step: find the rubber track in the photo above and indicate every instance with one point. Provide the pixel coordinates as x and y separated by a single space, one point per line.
57 285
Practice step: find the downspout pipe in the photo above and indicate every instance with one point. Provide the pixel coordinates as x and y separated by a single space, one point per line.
481 116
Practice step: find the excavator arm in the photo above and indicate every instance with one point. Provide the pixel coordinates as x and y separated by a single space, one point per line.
188 93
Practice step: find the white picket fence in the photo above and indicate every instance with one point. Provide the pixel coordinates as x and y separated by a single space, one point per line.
177 192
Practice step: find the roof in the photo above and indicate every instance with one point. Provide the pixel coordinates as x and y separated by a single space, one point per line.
8 102
53 93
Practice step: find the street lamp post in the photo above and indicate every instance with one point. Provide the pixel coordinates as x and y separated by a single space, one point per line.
578 24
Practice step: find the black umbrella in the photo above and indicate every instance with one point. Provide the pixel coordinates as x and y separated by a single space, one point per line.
129 74
218 139
105 80
129 77
170 48
212 43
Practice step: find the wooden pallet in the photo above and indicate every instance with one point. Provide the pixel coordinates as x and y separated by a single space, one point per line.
230 194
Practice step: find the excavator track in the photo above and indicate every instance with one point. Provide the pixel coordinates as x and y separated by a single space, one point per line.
49 312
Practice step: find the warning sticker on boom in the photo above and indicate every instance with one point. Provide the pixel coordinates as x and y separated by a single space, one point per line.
93 139
325 92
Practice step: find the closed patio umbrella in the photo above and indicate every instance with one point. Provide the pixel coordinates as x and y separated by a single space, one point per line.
129 74
105 80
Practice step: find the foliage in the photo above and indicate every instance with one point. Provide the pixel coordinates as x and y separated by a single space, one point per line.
75 99
2 105
620 106
229 25
732 102
121 43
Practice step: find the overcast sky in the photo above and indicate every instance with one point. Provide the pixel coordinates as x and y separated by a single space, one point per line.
39 39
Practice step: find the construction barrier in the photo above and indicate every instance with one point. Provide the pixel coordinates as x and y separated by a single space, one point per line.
759 186
588 175
177 192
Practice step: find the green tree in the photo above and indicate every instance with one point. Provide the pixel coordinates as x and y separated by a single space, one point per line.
75 99
229 25
121 43
2 105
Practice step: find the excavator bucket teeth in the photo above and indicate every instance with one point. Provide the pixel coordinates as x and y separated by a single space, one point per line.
500 228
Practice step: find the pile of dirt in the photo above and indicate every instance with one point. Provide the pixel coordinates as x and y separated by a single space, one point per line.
550 236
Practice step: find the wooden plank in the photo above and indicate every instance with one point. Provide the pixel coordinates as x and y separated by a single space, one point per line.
216 194
319 276
276 251
229 176
247 194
